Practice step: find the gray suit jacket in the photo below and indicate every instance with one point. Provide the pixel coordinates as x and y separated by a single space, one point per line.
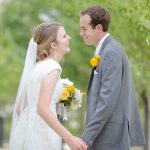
112 116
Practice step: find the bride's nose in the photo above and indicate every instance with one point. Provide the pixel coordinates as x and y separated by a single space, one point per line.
69 37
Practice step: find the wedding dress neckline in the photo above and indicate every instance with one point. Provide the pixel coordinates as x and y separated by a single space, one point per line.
42 61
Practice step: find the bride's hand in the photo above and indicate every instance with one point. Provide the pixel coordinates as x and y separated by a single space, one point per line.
76 143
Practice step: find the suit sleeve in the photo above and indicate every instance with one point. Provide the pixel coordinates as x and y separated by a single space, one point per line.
108 96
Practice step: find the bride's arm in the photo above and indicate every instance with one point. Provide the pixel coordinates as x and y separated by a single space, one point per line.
43 109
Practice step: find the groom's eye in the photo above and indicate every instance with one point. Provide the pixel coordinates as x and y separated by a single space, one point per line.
84 29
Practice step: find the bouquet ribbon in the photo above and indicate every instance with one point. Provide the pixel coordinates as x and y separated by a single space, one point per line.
62 111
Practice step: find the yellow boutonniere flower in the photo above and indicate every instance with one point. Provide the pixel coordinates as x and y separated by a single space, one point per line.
97 57
94 60
71 89
65 94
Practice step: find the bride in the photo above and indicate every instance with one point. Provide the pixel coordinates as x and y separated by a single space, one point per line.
35 125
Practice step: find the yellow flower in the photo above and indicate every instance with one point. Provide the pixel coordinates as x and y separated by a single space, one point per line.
94 61
65 94
71 89
83 94
98 57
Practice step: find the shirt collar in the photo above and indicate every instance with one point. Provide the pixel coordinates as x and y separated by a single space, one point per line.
98 48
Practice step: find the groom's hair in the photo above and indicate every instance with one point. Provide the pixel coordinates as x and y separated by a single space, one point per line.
98 15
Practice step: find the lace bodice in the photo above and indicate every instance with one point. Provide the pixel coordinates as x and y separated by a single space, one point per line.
33 88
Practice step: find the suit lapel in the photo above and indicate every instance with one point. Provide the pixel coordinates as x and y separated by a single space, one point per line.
104 44
100 52
107 40
90 81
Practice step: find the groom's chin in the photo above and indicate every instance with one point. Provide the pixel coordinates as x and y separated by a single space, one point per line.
87 43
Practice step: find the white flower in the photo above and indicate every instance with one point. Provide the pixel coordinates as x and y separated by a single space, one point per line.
76 103
66 81
78 95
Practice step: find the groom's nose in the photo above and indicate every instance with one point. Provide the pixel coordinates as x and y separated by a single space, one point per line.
81 33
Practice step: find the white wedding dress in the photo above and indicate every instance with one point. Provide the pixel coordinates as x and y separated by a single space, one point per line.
31 132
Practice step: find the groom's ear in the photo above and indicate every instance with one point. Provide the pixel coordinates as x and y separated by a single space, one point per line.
99 27
53 45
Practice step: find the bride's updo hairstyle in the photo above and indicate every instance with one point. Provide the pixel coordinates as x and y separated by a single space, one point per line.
44 35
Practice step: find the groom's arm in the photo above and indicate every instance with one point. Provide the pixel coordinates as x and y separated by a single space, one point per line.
109 94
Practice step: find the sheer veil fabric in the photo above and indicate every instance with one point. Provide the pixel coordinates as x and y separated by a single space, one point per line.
21 98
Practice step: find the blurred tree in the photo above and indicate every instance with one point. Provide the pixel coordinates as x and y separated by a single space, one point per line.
130 25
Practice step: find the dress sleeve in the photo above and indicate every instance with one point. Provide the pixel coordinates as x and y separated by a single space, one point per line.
50 66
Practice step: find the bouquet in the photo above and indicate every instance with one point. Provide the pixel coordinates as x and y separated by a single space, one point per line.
71 98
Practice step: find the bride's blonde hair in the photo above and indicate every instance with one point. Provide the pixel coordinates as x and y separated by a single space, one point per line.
44 35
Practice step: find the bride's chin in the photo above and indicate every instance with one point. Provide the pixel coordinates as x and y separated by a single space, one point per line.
68 50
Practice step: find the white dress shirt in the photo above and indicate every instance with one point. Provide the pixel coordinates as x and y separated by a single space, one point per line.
100 44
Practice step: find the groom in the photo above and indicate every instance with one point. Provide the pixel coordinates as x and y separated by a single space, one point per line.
112 116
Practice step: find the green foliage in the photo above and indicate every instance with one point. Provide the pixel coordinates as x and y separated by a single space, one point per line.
130 25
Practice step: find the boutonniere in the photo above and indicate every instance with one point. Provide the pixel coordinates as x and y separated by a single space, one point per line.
94 60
